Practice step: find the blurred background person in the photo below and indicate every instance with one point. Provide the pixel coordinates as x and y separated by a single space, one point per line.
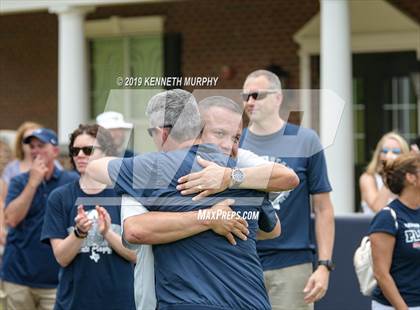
29 270
120 131
5 155
374 195
96 269
5 158
415 144
396 244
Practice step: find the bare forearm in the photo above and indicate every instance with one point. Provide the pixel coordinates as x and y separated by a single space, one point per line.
19 207
114 241
162 227
324 230
65 250
390 290
381 199
3 190
98 170
269 177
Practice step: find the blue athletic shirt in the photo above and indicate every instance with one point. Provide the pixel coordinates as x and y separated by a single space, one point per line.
27 261
405 266
203 271
300 149
98 277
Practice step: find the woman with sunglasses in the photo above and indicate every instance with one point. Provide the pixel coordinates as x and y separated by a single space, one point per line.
96 272
374 195
395 238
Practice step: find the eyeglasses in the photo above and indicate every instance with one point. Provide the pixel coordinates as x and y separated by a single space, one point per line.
395 150
87 150
152 129
257 95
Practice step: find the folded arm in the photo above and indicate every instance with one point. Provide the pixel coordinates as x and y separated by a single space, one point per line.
214 179
165 227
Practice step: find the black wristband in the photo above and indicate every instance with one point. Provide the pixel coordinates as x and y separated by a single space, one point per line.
79 234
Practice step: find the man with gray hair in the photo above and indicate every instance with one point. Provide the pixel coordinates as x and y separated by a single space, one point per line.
223 125
177 112
201 270
287 261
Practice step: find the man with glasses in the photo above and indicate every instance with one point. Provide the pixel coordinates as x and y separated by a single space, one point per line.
287 260
201 270
29 270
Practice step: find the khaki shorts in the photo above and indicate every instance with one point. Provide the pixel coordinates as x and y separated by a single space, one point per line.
20 297
285 287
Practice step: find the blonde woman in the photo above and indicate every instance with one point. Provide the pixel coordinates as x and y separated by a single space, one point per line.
22 153
374 195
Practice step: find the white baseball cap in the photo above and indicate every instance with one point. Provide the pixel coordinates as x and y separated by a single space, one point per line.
112 120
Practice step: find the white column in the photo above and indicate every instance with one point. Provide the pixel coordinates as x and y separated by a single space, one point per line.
73 104
336 75
305 86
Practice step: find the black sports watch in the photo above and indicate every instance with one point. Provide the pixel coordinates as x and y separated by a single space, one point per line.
78 233
327 263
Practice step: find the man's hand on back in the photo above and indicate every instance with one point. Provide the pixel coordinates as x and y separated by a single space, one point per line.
225 222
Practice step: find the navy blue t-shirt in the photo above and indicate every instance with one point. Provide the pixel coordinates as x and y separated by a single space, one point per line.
27 261
300 149
98 277
203 271
405 266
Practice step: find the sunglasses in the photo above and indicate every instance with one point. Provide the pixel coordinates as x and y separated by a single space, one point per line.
396 150
152 130
87 150
257 95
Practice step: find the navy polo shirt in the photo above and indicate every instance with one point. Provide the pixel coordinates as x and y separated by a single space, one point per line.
27 261
203 271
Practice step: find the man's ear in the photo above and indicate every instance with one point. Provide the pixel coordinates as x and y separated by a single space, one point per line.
411 178
56 151
164 134
279 97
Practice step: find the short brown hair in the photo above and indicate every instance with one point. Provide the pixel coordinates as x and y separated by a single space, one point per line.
102 135
395 171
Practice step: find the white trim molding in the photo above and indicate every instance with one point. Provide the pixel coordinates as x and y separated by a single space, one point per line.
376 26
119 26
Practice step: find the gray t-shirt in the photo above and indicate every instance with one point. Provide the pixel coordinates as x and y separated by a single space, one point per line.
144 272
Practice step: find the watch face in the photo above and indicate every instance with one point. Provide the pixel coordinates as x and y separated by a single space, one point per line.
238 176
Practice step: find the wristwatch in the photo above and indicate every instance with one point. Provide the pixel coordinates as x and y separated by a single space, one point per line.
327 263
236 177
78 233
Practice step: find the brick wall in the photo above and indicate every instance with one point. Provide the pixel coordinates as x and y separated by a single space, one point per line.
245 34
408 7
28 69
